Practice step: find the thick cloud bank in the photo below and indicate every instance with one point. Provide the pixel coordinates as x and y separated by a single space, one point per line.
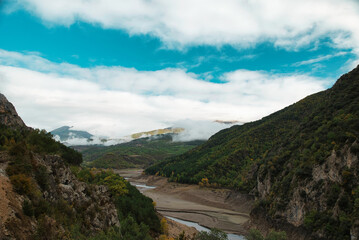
242 23
117 101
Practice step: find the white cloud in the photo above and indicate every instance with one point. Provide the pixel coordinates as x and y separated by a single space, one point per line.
118 101
198 130
286 23
319 59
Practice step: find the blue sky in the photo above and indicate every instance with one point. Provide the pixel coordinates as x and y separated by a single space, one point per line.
89 45
234 58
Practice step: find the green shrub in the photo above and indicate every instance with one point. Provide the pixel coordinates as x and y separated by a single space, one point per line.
71 156
42 177
254 234
214 234
28 208
273 235
23 184
131 230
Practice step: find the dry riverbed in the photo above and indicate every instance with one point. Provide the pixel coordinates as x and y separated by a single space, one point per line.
219 208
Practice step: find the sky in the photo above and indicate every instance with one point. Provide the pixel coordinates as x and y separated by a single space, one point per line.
116 67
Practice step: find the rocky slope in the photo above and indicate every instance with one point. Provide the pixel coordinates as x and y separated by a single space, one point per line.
8 114
93 202
301 163
34 186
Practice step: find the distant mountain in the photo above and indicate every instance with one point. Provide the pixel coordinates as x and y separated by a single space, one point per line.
300 162
65 133
156 132
75 137
141 152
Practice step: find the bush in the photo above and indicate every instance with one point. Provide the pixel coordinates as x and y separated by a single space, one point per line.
23 184
254 234
28 208
132 231
71 156
214 234
164 226
18 149
42 177
273 235
116 184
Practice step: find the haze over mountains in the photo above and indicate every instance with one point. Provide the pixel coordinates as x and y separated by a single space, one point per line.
187 130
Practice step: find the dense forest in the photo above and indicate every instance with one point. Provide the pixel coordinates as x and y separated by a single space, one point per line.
140 153
280 157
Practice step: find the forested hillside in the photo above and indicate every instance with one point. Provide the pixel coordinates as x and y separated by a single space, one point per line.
45 194
140 153
302 162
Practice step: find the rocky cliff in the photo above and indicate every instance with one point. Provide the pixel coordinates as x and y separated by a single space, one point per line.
8 114
40 196
92 202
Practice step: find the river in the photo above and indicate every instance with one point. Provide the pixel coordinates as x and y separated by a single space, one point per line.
193 206
201 228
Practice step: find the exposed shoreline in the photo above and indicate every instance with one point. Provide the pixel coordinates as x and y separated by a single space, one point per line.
212 208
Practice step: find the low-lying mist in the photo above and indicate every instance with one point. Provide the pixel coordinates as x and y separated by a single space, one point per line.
199 130
193 130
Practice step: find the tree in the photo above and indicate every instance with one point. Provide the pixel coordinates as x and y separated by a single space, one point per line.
273 235
254 234
214 234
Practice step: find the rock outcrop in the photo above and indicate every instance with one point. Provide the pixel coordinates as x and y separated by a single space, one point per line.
8 114
100 211
92 203
14 224
94 200
322 192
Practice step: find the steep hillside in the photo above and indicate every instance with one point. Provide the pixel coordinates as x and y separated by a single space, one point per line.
46 195
141 152
8 114
301 163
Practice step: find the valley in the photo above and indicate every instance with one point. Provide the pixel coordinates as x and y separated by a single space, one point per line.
138 153
292 175
213 208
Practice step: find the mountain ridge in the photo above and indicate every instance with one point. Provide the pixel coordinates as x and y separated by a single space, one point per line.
8 114
65 133
139 153
280 159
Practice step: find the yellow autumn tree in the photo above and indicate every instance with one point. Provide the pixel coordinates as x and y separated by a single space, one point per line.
204 182
164 226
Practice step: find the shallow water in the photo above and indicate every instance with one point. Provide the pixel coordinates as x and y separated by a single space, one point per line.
144 186
200 228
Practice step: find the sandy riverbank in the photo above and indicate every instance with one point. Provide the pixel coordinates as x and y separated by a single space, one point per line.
219 208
